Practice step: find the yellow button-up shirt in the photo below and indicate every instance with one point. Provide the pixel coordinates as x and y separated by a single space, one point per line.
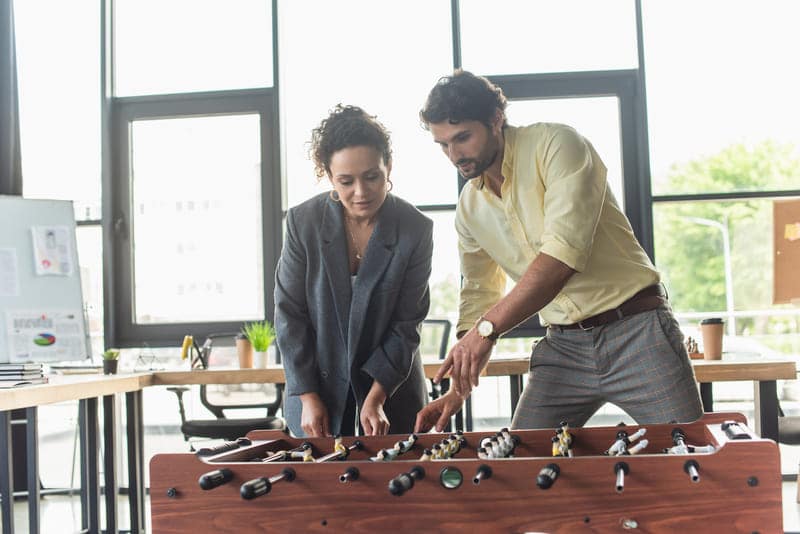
556 200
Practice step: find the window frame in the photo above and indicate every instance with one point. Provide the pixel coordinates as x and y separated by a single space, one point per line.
120 327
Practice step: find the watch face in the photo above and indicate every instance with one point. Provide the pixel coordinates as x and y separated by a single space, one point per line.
485 328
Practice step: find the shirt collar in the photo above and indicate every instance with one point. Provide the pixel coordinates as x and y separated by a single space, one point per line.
509 141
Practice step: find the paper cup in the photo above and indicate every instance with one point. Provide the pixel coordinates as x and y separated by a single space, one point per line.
712 329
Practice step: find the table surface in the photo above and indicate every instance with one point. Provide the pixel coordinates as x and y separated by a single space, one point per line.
74 387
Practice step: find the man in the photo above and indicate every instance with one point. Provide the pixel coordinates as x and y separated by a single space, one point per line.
537 208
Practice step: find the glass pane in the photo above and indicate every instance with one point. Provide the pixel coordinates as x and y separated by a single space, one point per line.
597 119
716 259
197 219
90 257
716 99
445 272
535 36
191 45
357 52
59 101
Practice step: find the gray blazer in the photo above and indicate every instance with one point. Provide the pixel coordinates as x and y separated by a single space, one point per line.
333 338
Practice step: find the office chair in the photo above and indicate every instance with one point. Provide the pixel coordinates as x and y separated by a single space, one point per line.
221 398
433 343
788 428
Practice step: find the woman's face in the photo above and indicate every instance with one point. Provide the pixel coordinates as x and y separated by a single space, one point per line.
360 177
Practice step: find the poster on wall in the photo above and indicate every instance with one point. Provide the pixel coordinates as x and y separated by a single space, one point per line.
786 234
44 336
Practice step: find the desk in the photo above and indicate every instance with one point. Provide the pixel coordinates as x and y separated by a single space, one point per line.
87 388
762 373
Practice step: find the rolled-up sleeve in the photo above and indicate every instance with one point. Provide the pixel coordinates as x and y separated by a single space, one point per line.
295 336
390 363
483 281
575 188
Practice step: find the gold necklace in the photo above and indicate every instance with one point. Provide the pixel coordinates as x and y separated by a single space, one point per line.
353 239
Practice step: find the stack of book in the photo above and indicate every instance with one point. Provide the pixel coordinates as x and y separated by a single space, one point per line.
21 374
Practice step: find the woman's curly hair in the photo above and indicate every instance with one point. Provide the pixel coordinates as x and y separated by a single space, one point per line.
347 126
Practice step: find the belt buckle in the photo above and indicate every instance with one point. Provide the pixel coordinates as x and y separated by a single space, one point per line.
584 328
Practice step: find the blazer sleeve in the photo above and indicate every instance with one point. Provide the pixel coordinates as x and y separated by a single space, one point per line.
295 335
391 362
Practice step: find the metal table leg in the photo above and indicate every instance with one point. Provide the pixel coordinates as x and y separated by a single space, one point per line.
707 396
133 407
109 455
6 473
516 385
766 409
90 483
32 444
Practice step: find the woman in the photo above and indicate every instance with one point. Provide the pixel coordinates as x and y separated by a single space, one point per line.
351 290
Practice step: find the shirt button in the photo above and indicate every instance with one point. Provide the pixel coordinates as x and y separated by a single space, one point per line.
324 374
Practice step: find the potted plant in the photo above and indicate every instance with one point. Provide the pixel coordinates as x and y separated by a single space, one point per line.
110 361
260 334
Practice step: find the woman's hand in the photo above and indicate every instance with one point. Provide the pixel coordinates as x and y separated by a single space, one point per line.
438 412
314 417
372 417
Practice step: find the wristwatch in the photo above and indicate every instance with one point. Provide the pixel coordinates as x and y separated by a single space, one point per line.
486 330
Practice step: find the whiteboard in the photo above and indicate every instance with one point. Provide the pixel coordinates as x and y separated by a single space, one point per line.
41 304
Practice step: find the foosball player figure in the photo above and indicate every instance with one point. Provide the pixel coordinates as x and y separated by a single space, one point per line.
405 446
565 438
386 455
307 455
620 446
483 454
556 446
436 452
427 454
338 446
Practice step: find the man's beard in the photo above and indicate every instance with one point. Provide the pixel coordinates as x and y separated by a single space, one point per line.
480 164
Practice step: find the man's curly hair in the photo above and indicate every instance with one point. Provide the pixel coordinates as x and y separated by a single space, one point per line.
462 96
347 126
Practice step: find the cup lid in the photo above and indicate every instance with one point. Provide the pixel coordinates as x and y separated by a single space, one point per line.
712 320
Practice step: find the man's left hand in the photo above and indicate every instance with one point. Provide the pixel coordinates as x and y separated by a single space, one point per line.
465 361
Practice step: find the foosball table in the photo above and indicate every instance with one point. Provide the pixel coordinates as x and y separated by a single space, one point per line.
714 475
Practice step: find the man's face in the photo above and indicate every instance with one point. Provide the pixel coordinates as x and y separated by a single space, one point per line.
470 145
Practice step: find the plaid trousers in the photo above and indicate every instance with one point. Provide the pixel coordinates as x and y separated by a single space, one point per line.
638 363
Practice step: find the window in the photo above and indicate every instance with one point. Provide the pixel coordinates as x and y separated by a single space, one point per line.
538 36
358 53
191 45
725 141
712 89
195 251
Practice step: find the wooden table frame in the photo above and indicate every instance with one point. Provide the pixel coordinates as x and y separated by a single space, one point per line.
87 389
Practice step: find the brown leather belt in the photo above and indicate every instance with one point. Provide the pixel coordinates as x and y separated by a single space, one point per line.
647 299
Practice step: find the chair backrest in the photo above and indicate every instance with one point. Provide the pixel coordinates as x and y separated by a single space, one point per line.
219 398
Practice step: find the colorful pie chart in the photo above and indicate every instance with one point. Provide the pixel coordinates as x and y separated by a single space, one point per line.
44 340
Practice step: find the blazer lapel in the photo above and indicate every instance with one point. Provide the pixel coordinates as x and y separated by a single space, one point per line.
380 250
334 257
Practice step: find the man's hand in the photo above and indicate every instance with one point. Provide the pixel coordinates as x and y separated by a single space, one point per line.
314 417
438 412
465 361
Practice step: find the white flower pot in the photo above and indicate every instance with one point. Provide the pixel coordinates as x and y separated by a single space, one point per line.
259 359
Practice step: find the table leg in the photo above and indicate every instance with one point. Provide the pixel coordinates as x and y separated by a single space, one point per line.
516 385
133 406
707 396
109 456
90 478
766 409
32 444
6 472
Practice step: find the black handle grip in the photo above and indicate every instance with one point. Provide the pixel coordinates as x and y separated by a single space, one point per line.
212 479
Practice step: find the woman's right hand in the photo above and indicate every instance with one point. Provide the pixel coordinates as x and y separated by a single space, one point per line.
314 417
